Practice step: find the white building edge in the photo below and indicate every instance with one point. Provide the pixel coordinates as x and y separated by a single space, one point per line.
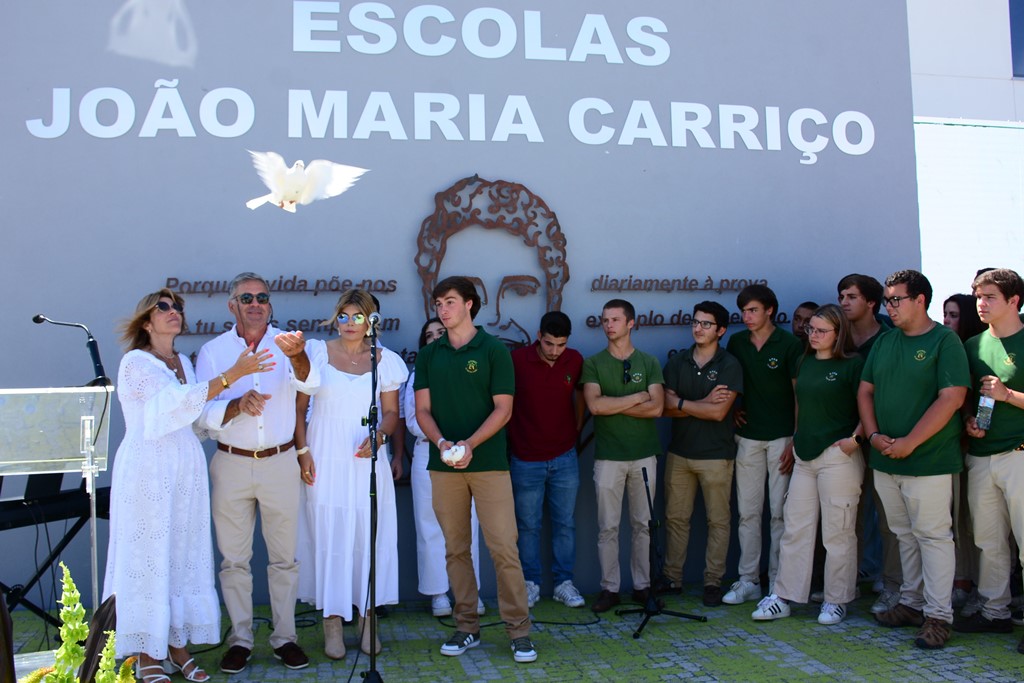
969 129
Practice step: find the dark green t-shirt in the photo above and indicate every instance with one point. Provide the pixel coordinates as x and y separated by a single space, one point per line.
623 437
826 394
990 355
768 377
908 373
463 383
693 437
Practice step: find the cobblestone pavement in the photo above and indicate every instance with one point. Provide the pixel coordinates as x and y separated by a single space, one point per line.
577 645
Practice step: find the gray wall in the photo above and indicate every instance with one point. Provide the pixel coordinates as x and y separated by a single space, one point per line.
146 182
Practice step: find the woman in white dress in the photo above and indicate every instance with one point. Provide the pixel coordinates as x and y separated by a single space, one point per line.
160 556
431 568
335 534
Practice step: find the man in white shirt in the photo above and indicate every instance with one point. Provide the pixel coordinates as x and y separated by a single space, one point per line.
256 464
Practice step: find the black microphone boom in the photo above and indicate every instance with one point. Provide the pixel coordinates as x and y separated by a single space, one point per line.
101 379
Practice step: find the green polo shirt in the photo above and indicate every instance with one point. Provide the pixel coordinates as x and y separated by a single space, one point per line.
908 373
826 391
693 437
990 355
623 437
768 376
463 383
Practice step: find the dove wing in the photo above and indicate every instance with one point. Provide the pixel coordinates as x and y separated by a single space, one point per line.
271 169
327 179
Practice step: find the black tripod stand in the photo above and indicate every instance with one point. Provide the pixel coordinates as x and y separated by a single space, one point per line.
653 607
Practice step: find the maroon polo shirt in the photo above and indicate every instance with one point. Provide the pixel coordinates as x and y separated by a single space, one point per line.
543 424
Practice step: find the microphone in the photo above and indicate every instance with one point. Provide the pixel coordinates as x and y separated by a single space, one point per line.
101 379
375 318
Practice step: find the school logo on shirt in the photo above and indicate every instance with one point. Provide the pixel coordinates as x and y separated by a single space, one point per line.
1010 359
832 376
712 375
568 380
773 363
638 377
921 354
472 367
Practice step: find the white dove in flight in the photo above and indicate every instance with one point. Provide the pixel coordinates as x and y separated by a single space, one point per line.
300 184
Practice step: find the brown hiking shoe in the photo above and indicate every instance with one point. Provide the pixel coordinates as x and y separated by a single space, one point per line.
933 635
900 615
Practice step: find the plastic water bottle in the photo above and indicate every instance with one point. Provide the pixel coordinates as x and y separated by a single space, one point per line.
984 417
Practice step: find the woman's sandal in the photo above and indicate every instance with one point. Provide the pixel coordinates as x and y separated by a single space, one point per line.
160 677
194 674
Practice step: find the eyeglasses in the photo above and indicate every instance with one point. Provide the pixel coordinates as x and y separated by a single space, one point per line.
894 301
358 318
247 298
817 331
626 377
704 324
163 307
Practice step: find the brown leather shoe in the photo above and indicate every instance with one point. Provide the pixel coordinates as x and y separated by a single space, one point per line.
933 635
605 601
664 586
640 595
900 615
292 656
235 659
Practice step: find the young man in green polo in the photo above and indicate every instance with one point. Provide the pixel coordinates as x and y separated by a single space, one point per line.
766 421
911 390
464 387
995 456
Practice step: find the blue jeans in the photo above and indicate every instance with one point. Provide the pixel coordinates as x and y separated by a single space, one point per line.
559 479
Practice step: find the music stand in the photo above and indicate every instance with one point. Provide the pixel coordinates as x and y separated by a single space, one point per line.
55 431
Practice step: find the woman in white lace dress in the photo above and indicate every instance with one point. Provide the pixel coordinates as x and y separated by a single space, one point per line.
334 536
160 556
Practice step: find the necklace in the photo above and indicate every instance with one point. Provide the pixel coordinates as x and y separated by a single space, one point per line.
358 354
173 364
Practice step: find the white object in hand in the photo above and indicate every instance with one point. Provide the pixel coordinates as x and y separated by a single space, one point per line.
300 184
452 456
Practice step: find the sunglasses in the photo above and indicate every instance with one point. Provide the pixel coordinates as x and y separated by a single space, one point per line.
358 318
163 307
247 298
626 366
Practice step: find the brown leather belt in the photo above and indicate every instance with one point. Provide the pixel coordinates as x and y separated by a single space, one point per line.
266 453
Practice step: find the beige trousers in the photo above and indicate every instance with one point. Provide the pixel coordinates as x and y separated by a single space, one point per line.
755 462
995 489
240 485
682 477
611 479
919 513
829 485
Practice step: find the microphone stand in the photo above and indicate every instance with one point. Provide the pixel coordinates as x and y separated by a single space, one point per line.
653 607
372 675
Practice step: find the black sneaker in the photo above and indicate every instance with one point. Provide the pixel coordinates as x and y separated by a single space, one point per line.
460 642
292 656
235 659
523 650
977 623
1017 617
664 586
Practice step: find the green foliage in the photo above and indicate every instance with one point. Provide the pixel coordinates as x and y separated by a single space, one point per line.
71 654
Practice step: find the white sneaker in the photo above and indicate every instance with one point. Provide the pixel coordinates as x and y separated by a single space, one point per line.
887 599
481 609
831 613
567 594
770 608
440 606
459 643
741 591
532 593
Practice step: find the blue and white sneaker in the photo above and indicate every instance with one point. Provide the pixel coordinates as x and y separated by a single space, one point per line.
459 643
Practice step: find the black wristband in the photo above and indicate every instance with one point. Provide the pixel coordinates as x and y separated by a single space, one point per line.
680 405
